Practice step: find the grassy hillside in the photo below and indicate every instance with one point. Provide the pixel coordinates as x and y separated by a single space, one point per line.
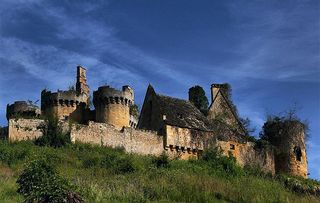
110 175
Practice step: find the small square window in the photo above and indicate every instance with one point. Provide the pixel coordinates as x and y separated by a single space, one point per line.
232 147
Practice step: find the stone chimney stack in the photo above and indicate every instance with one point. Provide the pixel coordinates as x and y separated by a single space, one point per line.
214 90
81 85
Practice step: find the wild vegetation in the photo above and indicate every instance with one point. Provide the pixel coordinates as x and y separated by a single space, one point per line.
99 174
199 99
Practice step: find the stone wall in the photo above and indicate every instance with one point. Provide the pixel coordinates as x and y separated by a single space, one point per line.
24 129
132 140
248 154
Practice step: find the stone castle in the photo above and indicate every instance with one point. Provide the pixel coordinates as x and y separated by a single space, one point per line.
166 125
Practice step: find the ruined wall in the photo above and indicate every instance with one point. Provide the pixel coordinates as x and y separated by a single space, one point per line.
132 140
248 154
22 109
291 154
24 129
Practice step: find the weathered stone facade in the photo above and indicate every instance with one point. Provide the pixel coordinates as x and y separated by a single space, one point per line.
22 109
135 141
25 129
113 106
166 125
249 154
290 154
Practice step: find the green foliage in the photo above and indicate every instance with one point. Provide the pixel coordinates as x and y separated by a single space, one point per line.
197 96
222 163
134 111
300 185
276 126
161 161
53 135
262 144
39 182
103 174
11 154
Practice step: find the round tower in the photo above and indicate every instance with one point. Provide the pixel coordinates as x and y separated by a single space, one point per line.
22 109
64 105
113 106
290 154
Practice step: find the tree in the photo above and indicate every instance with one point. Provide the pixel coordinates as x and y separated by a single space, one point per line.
197 96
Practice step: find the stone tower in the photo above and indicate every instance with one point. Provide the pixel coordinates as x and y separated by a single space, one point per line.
81 85
113 106
290 156
68 105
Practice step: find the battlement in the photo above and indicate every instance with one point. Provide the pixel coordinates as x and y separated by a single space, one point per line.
22 108
62 98
108 95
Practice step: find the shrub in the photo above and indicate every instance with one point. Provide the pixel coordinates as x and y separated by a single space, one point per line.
222 163
124 165
161 161
53 135
91 161
39 182
12 153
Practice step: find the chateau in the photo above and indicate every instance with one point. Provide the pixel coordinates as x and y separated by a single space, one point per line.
166 125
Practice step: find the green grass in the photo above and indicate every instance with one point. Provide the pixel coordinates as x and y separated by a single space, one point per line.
110 175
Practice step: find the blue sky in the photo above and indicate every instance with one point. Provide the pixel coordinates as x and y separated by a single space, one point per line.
269 51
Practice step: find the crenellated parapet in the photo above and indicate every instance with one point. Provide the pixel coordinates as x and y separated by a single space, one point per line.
62 98
64 105
113 106
107 95
22 109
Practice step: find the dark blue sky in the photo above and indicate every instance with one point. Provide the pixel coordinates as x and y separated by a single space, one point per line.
269 51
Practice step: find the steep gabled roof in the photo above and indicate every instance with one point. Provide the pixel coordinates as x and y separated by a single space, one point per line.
182 113
229 105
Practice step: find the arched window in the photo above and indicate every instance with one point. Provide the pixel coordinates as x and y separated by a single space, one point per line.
298 153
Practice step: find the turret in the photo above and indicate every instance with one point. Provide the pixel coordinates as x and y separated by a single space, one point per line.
22 109
113 106
291 151
63 105
71 104
288 138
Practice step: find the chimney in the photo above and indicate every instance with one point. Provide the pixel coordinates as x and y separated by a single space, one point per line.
215 89
81 85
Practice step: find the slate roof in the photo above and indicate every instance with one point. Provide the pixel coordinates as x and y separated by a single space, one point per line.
182 113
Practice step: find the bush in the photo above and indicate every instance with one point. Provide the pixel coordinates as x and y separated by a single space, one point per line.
12 153
124 165
222 163
161 161
39 182
53 135
91 161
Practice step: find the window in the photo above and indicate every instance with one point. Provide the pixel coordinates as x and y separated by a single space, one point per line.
232 147
298 153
